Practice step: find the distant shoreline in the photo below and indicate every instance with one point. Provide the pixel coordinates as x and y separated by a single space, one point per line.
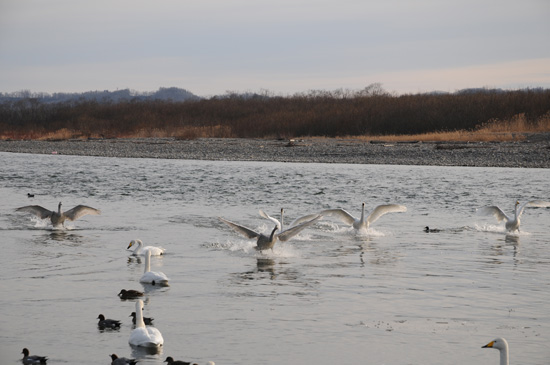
531 153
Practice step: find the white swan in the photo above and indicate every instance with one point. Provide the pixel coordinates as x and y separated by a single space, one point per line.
140 249
512 224
143 336
152 277
264 242
363 223
502 346
274 220
58 218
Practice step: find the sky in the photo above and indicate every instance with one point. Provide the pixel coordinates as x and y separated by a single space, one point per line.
211 47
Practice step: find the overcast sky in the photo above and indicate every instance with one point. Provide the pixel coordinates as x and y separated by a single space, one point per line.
285 46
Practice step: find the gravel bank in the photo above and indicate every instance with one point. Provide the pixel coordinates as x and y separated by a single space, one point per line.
534 152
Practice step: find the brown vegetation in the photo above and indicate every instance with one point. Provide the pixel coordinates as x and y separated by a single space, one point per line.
474 116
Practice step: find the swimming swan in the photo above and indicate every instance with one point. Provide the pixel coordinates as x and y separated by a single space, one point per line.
502 346
363 222
32 359
140 250
152 277
144 336
58 218
267 242
512 224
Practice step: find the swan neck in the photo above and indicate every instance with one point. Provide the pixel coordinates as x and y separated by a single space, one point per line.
59 208
272 233
363 212
282 219
504 357
147 262
139 314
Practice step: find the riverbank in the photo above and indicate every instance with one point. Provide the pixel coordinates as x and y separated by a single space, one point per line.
533 152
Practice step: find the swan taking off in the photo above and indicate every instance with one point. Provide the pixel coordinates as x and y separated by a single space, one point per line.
512 224
144 336
140 249
58 218
264 242
502 346
363 223
152 277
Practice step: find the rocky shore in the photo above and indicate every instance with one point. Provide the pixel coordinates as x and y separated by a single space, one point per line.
533 152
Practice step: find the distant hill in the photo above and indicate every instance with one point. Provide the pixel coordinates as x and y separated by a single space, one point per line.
173 94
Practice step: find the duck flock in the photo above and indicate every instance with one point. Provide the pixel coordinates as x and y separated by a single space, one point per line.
145 335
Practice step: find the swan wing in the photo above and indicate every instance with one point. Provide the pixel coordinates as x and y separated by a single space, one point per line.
384 209
303 219
340 214
155 335
154 276
533 203
267 216
37 210
293 231
79 211
146 337
247 232
494 211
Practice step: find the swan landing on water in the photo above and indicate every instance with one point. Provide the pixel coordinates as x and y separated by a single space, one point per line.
363 222
512 224
502 346
265 242
58 218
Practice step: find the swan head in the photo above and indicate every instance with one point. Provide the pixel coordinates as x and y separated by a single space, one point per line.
498 343
133 242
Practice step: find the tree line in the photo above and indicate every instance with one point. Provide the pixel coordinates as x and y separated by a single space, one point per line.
368 112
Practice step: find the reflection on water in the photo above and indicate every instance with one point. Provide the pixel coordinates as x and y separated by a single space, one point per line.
512 239
144 353
459 286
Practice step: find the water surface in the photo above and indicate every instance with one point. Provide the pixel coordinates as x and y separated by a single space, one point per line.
395 295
